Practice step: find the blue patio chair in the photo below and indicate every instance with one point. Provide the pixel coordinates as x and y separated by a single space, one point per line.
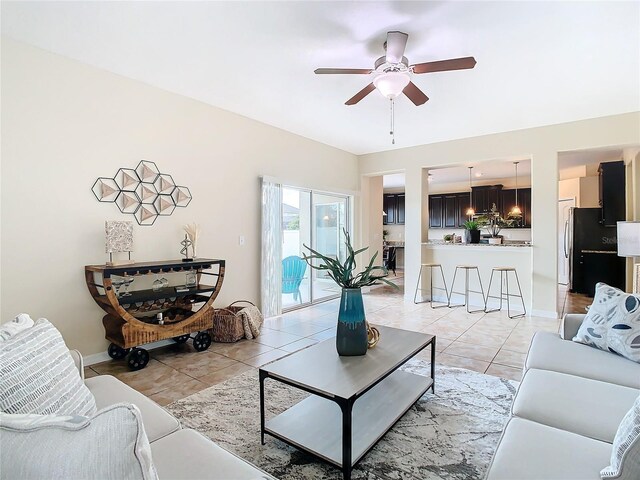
293 269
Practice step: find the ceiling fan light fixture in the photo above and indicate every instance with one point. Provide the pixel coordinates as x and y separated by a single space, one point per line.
391 84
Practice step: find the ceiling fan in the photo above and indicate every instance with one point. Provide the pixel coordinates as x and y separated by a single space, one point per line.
393 71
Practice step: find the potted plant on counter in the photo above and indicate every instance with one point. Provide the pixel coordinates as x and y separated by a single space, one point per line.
472 228
493 222
353 336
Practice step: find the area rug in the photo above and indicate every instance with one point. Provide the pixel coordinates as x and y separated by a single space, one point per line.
449 435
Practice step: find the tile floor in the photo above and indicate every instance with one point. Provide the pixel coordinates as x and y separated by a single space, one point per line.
490 343
572 302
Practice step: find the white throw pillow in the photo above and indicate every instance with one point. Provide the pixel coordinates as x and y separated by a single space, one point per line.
15 326
38 375
625 455
110 445
612 323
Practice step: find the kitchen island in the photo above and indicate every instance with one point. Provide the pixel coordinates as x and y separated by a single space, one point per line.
485 256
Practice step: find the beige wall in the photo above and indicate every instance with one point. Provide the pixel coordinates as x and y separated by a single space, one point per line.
371 227
64 124
542 146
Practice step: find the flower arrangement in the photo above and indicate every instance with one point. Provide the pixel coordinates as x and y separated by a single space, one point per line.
493 222
343 273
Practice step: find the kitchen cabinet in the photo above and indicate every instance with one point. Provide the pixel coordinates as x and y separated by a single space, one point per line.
389 208
449 210
484 197
393 207
400 210
508 201
464 202
436 204
612 192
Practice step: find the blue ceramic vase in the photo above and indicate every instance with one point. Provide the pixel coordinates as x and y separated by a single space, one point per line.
351 337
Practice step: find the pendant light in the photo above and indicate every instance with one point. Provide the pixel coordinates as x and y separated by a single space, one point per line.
470 211
516 211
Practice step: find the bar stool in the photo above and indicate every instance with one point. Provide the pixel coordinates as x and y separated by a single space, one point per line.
504 273
431 266
466 293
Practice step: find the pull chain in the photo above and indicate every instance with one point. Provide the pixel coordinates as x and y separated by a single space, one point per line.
392 130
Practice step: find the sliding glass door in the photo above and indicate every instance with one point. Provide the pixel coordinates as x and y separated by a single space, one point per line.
329 220
316 219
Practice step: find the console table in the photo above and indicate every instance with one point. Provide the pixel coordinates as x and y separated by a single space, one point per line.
132 320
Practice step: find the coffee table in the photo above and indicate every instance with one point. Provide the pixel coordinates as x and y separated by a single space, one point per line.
354 401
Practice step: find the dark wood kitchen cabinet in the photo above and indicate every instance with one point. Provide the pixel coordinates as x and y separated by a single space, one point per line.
484 197
400 209
612 192
393 207
508 201
389 208
436 204
464 202
449 210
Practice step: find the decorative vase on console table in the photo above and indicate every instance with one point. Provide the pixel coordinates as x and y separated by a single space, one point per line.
353 335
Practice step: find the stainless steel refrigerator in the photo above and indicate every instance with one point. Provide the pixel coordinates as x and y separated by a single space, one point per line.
592 251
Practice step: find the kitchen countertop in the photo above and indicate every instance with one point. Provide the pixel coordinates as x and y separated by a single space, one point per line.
432 243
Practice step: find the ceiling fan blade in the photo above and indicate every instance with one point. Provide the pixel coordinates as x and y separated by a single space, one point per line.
444 65
415 94
356 71
396 43
361 94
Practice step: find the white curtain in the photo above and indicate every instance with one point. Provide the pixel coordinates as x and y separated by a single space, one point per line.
271 268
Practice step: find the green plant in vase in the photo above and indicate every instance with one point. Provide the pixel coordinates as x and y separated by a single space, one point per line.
472 227
353 336
493 222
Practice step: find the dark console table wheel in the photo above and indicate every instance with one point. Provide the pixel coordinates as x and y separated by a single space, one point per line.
116 352
202 341
138 358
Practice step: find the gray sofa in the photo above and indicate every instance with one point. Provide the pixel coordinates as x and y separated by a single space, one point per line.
566 411
178 453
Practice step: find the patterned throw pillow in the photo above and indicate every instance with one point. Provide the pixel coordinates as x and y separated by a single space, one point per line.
612 323
110 445
625 455
38 375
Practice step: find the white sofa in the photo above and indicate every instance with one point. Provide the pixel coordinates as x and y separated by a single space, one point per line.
566 411
177 453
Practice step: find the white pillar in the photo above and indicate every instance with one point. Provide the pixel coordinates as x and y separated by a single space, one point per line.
544 234
415 226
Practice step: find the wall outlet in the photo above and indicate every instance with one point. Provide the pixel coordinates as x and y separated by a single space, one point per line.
241 240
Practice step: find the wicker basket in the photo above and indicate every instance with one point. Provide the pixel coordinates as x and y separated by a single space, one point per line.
227 324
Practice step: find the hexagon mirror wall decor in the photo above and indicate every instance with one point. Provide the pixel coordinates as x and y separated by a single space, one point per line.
165 184
143 192
147 192
105 189
146 215
182 196
147 171
127 179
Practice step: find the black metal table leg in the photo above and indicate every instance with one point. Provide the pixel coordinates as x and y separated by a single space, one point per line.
433 365
346 406
262 376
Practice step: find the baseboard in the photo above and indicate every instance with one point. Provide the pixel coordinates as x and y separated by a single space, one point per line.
104 356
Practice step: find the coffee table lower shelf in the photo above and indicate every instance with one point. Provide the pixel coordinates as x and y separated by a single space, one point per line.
316 423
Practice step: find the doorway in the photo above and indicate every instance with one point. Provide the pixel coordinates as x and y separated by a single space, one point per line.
318 220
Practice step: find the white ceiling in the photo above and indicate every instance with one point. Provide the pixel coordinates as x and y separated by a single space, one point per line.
539 63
